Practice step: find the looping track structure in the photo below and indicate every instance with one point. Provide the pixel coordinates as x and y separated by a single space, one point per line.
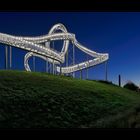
40 47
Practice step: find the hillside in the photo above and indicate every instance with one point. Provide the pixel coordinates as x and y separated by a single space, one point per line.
40 100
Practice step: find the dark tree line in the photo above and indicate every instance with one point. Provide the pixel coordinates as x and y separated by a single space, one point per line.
130 85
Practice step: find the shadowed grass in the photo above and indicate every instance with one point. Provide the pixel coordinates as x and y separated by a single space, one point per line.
40 100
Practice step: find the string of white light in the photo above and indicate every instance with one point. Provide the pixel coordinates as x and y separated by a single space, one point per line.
35 48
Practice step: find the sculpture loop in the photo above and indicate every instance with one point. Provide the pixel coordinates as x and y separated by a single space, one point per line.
40 47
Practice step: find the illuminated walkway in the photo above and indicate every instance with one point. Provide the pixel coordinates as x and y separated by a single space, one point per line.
40 47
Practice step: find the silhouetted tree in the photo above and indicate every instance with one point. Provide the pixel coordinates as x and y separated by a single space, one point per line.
130 85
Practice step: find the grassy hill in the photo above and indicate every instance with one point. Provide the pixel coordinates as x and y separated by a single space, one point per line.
40 100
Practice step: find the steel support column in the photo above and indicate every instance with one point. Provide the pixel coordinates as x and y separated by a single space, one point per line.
34 63
10 57
73 59
87 70
60 69
53 67
81 76
67 59
6 57
86 73
106 72
47 65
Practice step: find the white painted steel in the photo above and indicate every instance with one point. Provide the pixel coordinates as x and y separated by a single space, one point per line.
36 48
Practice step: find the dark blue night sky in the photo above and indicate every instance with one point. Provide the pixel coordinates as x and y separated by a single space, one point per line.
115 33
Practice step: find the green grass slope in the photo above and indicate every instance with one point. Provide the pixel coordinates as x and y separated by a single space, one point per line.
39 100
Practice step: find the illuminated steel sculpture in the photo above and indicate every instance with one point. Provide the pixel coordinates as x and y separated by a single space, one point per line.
40 47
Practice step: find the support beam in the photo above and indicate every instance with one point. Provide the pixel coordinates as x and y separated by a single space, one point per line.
86 73
34 63
87 70
10 57
54 69
47 65
67 59
6 57
47 45
50 67
106 72
73 59
53 65
60 69
81 74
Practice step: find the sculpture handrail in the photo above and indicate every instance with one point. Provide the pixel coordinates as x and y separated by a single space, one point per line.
35 48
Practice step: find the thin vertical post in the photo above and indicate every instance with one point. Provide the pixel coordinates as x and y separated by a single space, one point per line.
50 66
47 44
87 70
46 65
60 69
53 60
10 57
106 74
67 57
34 63
53 67
73 58
86 73
81 74
6 57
